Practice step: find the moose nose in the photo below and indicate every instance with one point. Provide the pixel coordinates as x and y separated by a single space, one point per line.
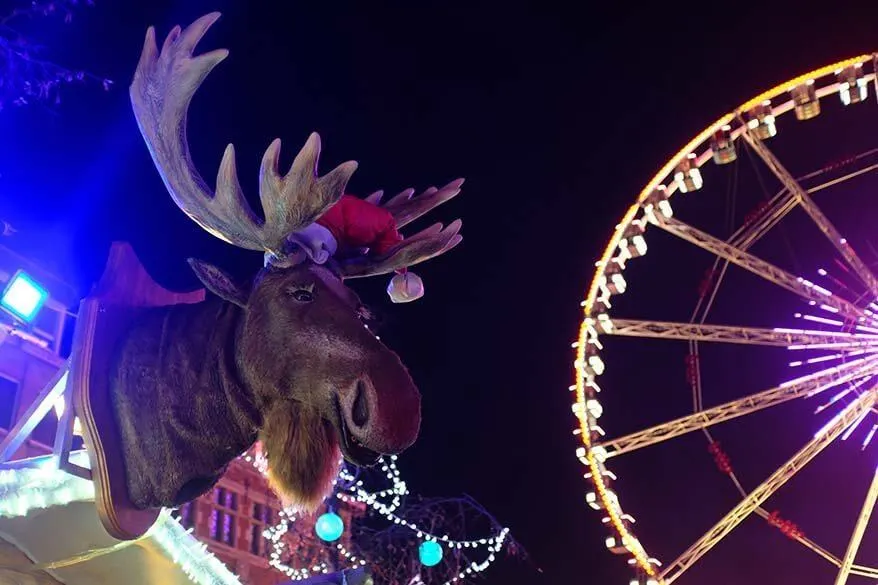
360 410
395 406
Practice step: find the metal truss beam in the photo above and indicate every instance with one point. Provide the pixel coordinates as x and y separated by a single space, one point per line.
779 206
806 203
740 335
35 413
757 266
798 388
758 496
783 202
863 571
56 389
859 529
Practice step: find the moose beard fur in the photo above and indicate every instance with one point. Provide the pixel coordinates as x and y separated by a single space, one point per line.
303 454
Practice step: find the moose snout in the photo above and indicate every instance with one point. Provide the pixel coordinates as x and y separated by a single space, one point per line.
384 409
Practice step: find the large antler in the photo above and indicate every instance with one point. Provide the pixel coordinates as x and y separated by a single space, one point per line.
429 243
163 87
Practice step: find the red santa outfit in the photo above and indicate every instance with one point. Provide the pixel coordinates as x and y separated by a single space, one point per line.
354 224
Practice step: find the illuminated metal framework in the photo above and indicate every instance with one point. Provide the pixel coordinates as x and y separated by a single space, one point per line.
761 268
845 330
859 530
743 335
758 496
805 386
806 203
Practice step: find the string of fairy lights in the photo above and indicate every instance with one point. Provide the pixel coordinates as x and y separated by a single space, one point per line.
386 502
23 490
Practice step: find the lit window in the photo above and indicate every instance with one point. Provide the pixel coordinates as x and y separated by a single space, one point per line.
228 529
225 498
215 523
8 393
186 515
262 518
222 516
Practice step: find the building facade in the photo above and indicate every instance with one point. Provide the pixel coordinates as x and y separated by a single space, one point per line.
230 519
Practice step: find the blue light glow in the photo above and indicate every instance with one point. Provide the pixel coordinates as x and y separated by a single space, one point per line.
23 297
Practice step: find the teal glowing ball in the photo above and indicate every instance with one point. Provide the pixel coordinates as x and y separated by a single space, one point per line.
430 553
329 527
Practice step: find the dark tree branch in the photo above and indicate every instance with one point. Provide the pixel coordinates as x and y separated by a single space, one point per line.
26 76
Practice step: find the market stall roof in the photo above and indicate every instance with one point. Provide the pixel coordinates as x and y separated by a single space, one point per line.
50 517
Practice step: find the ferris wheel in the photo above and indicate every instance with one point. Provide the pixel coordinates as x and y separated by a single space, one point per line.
749 304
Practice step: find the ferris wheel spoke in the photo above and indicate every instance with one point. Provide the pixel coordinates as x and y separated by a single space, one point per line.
764 219
804 541
759 267
778 337
807 204
774 210
863 571
859 529
758 496
745 236
800 387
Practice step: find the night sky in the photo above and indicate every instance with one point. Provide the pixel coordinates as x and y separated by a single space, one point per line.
555 115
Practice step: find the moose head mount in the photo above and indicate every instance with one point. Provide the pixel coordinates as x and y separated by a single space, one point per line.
322 383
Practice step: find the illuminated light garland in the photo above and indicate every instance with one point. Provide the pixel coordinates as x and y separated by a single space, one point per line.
24 490
720 458
189 553
33 488
350 489
787 527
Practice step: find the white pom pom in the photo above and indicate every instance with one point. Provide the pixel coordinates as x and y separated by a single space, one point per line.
405 288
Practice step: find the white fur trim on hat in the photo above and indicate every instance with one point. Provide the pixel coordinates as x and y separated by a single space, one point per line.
405 287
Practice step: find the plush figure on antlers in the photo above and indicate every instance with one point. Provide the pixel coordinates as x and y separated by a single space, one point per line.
170 393
355 226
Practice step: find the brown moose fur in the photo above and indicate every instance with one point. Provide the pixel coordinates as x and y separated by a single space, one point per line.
193 387
306 454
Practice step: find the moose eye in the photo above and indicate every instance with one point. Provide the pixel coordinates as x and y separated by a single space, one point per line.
302 295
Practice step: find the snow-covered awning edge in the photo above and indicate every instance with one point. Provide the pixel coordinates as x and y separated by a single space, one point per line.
43 486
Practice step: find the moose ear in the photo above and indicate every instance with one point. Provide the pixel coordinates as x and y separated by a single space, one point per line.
219 283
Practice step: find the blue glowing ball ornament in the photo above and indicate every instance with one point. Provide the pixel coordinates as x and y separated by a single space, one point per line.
430 553
329 527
